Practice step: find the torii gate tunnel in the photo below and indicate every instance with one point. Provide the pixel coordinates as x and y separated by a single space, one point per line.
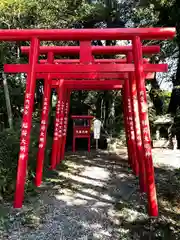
88 73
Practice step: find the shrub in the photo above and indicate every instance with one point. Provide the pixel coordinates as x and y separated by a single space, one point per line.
9 151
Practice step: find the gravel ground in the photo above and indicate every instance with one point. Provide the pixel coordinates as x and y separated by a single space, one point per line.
166 157
95 196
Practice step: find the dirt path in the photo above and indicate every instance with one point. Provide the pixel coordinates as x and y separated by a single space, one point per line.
96 197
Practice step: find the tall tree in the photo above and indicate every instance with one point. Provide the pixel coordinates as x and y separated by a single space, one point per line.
166 13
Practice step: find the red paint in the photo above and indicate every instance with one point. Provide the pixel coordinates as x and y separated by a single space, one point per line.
93 76
97 61
87 34
61 120
144 123
82 131
88 76
137 130
10 68
96 50
56 128
130 127
83 68
82 117
127 130
95 88
91 68
65 122
90 85
99 84
85 54
26 125
44 124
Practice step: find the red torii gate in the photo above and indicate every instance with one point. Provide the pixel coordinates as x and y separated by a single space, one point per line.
102 50
147 50
136 35
58 157
135 164
71 85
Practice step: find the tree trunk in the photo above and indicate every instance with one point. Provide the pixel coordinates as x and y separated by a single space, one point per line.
99 107
111 113
174 105
8 102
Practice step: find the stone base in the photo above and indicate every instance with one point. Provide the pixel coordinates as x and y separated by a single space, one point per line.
164 143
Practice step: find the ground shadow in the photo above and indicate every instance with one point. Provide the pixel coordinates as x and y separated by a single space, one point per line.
96 196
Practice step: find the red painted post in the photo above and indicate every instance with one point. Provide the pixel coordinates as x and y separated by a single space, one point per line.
136 123
26 124
127 130
44 124
130 125
144 123
61 119
85 52
56 129
65 124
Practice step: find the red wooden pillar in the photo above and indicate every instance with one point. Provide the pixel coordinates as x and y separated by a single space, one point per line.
44 124
61 119
56 128
136 123
65 124
144 123
127 130
26 124
61 125
130 126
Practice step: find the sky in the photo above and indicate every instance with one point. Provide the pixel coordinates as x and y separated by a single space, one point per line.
164 79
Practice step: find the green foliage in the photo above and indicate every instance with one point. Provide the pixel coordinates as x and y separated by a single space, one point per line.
45 13
145 16
165 96
164 13
151 110
9 150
